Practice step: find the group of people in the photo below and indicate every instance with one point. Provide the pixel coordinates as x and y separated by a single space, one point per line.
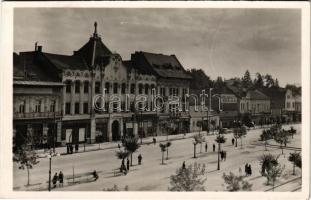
223 155
70 148
248 169
59 177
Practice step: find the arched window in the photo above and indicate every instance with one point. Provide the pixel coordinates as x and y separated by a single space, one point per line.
38 106
22 106
52 106
115 88
123 88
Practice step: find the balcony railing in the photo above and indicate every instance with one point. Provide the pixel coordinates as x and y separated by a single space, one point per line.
35 115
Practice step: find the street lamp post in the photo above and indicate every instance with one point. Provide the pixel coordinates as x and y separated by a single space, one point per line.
218 162
50 166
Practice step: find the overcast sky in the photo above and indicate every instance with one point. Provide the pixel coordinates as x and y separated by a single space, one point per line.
223 42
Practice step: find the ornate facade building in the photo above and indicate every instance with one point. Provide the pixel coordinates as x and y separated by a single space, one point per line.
95 96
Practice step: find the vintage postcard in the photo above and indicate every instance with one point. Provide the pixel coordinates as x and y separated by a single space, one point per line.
187 100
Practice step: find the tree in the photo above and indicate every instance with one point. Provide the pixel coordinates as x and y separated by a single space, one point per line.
295 158
258 82
236 183
269 81
163 149
26 158
131 145
239 132
246 80
270 167
281 137
265 136
166 127
190 178
220 139
198 139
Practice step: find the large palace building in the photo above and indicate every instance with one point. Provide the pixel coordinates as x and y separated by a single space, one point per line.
54 95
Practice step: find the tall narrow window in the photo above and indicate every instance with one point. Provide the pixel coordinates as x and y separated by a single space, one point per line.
107 86
115 88
85 108
123 88
67 108
140 88
22 107
77 108
38 106
68 86
133 88
97 87
77 87
52 106
146 89
86 87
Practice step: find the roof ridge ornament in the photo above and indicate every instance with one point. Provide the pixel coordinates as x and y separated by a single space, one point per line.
95 29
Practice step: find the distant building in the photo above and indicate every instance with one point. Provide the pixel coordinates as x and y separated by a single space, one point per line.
293 104
73 82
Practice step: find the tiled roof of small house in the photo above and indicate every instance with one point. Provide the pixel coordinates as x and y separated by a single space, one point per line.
256 95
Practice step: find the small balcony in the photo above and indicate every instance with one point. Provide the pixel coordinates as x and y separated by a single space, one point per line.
37 115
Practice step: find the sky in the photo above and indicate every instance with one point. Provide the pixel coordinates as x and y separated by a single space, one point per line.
222 42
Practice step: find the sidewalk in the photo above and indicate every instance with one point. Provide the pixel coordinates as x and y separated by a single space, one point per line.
62 151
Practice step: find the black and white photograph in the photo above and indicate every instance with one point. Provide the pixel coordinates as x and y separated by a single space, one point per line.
159 99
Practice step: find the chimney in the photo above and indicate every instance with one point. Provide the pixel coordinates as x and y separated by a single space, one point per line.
39 49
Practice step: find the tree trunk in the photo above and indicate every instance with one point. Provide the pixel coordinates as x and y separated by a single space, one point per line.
131 159
293 168
194 148
162 157
166 153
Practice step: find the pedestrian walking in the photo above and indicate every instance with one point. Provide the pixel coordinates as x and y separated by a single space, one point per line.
71 148
128 164
249 169
214 147
119 146
139 159
54 180
67 148
76 148
246 169
95 175
154 141
206 147
61 178
232 141
184 165
222 155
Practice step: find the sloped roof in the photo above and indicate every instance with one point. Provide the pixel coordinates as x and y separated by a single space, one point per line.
276 95
25 68
66 62
166 66
256 95
87 50
237 91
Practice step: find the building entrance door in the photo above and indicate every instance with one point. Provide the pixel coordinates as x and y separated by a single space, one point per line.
115 127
